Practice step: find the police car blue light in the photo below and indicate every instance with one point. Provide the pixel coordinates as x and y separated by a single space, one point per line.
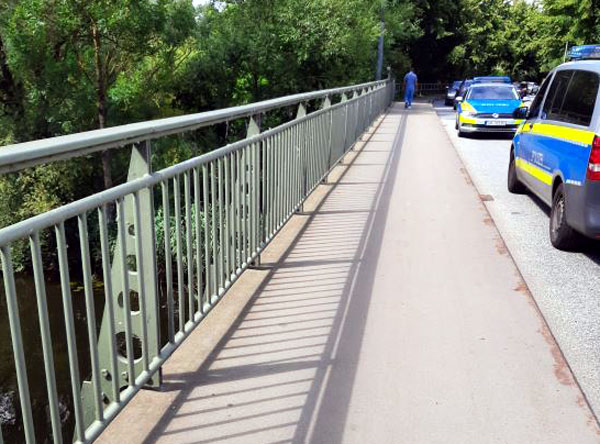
493 79
584 52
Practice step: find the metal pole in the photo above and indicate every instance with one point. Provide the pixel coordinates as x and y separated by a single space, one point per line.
380 43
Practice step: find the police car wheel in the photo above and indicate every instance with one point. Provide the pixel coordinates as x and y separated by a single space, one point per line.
515 186
562 235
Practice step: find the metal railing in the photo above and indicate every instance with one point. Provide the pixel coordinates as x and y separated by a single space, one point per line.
219 211
428 89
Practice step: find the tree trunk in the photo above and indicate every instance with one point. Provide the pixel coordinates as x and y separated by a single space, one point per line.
101 103
11 93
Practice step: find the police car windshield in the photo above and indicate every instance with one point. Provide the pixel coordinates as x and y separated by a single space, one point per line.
493 92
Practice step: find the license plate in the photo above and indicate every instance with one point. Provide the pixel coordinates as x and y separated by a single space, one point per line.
497 123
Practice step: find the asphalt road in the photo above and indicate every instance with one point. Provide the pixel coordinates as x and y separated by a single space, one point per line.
566 286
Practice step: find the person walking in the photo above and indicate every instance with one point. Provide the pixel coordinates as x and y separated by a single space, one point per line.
411 83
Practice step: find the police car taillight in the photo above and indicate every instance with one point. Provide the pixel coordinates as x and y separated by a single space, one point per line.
593 170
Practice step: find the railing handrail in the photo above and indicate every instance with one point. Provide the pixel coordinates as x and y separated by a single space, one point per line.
17 157
55 216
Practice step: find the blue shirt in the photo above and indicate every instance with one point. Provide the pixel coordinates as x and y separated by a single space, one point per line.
411 80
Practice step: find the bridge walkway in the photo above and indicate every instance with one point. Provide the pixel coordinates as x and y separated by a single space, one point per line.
389 311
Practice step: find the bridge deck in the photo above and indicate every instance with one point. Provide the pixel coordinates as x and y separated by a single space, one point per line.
390 312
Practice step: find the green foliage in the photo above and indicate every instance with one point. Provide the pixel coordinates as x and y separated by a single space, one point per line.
70 65
520 38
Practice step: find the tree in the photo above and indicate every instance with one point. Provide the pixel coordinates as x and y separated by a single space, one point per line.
90 44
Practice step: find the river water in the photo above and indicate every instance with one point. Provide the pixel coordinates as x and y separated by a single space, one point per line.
10 413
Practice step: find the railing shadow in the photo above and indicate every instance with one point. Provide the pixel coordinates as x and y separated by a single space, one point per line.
285 370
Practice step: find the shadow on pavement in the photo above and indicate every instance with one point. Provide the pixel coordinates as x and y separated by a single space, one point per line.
284 372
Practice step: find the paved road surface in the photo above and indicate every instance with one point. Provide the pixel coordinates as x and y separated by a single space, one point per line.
566 286
397 316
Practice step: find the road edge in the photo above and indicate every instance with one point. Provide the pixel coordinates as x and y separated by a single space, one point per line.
526 289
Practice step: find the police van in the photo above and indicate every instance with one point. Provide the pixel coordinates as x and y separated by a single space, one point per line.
556 151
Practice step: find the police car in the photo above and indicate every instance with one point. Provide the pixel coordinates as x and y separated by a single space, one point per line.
556 152
488 107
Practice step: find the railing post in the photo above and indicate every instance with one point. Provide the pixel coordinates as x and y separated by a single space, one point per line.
327 104
258 226
299 115
345 140
141 282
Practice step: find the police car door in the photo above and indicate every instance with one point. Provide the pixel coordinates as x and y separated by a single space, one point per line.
525 136
544 151
567 140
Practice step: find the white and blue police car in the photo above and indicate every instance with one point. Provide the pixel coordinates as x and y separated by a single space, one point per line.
556 151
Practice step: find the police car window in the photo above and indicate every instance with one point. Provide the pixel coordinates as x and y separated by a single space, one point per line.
493 93
580 99
537 102
556 96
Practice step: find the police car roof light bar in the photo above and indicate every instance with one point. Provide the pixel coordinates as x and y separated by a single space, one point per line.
584 52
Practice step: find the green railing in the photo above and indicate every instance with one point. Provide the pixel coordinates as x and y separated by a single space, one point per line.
225 207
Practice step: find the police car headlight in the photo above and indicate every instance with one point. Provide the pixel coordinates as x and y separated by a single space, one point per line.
469 113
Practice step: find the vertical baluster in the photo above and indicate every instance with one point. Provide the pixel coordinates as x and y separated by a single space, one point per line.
90 314
213 209
270 200
314 122
309 147
263 190
17 342
288 174
65 285
324 144
232 217
42 306
244 232
287 171
308 127
198 239
279 172
257 173
189 245
137 222
207 224
298 168
238 206
290 178
227 228
126 296
221 255
180 282
253 196
168 261
108 291
317 129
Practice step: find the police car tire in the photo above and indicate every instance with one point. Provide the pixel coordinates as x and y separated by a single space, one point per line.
562 236
515 186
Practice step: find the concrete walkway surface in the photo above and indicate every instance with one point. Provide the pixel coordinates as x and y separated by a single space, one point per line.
391 312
